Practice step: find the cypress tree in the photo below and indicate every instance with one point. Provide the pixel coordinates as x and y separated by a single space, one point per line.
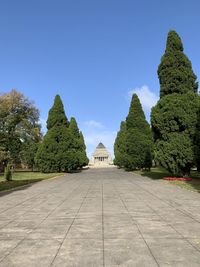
148 160
55 153
197 142
138 136
57 115
119 146
174 117
84 158
175 70
79 147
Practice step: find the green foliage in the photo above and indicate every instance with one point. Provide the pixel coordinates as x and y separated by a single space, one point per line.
136 118
119 146
134 138
63 147
79 143
19 121
197 142
57 115
83 157
74 128
176 153
137 145
175 70
148 160
174 118
52 154
28 153
175 113
8 173
138 136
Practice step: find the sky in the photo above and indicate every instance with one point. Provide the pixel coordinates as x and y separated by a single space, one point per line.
95 54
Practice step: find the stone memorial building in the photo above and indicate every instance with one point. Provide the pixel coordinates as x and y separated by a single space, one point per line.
101 157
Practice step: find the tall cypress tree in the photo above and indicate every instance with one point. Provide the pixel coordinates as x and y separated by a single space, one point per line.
175 70
138 136
54 153
79 147
174 117
84 158
119 146
57 115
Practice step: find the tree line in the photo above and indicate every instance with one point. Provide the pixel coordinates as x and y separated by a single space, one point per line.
22 144
173 139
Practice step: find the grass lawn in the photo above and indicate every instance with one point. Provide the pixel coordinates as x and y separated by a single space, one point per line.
159 173
24 178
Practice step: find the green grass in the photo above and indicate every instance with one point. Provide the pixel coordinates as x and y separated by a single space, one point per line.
24 178
159 173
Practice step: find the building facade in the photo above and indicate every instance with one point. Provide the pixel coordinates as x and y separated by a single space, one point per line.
101 157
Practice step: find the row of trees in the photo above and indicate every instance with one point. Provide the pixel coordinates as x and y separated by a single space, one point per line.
22 143
63 147
175 120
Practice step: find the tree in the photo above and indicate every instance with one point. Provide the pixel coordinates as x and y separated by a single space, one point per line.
28 153
134 138
84 159
197 142
79 144
57 115
148 160
174 118
19 121
175 70
61 148
119 146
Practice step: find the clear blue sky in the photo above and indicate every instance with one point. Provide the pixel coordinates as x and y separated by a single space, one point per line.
93 53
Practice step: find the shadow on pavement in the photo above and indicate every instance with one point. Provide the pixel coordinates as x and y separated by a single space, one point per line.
18 185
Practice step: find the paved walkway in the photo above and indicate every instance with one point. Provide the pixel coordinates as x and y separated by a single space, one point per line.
102 217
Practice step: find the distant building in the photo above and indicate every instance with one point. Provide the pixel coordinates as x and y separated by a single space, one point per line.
101 157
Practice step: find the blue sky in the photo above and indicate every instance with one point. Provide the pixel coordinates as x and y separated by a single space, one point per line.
93 53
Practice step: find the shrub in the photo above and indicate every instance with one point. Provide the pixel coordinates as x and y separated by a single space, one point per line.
8 173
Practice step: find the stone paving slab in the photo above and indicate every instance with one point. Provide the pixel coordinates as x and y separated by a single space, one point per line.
100 218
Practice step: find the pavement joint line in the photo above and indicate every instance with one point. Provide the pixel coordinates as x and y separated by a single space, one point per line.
166 202
40 222
169 224
21 215
70 227
137 227
182 236
118 204
36 195
3 192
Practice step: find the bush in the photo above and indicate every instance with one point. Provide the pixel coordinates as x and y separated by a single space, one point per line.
8 173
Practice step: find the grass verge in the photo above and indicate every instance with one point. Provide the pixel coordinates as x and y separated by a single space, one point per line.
159 173
24 178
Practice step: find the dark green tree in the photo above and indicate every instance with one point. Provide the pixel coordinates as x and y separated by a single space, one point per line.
148 160
28 153
61 148
57 115
197 142
119 146
175 70
53 152
79 144
84 159
174 117
138 136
